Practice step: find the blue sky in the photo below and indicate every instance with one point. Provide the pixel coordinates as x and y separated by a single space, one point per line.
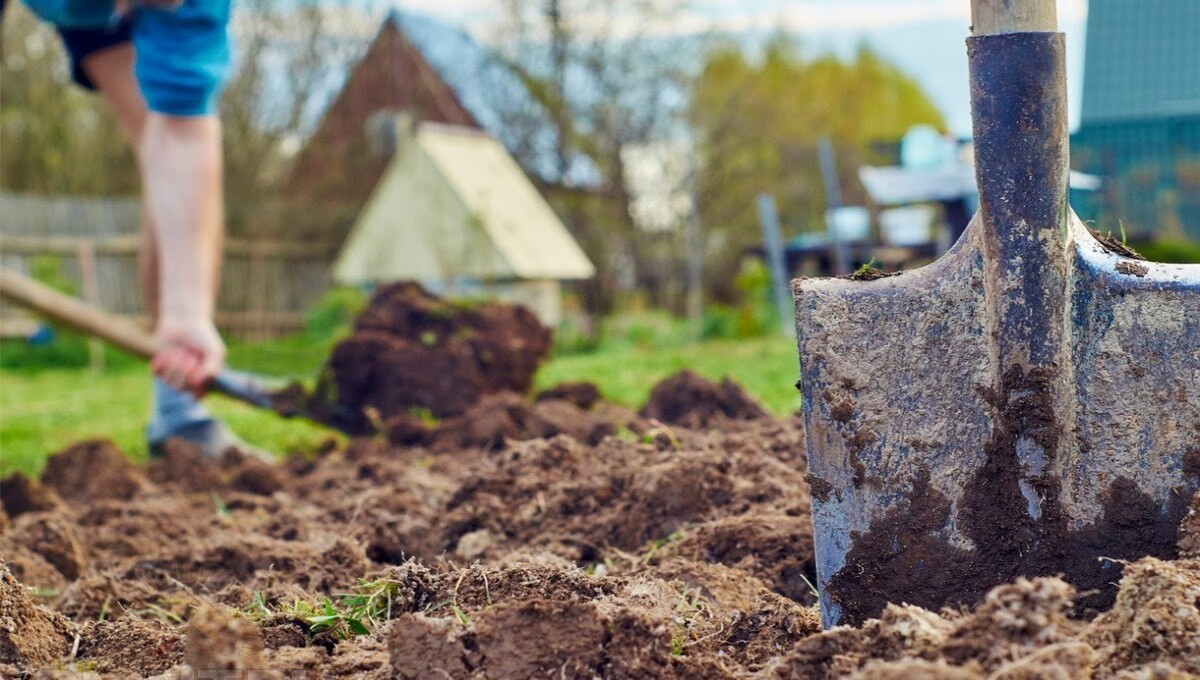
925 37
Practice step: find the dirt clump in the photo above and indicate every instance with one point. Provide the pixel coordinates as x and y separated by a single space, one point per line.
257 477
1155 621
20 494
54 538
130 646
91 471
688 400
584 395
217 641
184 465
502 417
411 350
30 636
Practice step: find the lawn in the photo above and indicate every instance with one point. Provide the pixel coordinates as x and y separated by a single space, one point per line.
43 410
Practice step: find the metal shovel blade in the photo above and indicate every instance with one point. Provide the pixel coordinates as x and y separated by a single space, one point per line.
1027 405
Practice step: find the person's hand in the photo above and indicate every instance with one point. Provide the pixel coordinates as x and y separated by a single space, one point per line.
193 354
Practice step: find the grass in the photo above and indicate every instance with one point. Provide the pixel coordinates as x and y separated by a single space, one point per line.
43 410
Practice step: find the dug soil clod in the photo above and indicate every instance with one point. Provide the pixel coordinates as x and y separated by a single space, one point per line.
412 351
691 401
30 636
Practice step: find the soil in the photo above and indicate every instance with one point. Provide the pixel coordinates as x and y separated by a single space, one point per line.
691 401
562 537
1116 247
412 352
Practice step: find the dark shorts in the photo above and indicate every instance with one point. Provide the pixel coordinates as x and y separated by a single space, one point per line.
84 42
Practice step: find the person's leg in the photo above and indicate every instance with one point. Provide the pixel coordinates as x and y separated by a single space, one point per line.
174 412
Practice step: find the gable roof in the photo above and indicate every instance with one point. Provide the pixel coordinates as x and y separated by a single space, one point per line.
454 204
336 164
1143 60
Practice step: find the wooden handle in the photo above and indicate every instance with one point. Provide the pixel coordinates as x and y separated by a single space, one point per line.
989 17
77 314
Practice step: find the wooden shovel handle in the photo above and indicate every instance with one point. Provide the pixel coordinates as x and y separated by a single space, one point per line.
77 314
989 17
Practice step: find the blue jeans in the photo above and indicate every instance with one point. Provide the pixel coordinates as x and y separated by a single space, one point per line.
172 412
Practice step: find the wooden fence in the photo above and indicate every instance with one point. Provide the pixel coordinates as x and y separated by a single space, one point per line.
266 288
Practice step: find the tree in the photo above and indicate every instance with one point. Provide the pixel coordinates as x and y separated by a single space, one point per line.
54 139
594 84
756 129
291 59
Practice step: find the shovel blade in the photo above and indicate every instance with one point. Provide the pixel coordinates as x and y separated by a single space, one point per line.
1027 405
930 483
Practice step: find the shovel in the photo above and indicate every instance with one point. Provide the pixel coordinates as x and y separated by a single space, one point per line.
1029 404
244 387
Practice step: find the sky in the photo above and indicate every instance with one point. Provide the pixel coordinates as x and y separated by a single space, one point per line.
923 37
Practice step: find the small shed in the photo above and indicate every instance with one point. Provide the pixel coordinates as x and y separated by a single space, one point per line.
454 211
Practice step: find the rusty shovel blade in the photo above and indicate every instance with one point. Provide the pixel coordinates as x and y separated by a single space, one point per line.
1027 405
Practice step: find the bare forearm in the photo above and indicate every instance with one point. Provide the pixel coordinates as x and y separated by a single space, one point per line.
181 169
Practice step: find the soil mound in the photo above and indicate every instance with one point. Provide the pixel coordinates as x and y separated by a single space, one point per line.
91 471
20 494
30 636
506 416
1155 621
411 351
688 400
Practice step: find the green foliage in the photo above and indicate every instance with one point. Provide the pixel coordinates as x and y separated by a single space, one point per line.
756 310
57 139
719 322
68 349
334 313
358 612
757 126
572 337
47 269
1180 252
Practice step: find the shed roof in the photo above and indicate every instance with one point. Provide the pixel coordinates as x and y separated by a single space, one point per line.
453 204
498 194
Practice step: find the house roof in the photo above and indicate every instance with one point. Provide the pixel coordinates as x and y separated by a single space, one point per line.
336 164
454 204
1141 60
496 191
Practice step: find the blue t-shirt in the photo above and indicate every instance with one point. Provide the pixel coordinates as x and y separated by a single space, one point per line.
182 52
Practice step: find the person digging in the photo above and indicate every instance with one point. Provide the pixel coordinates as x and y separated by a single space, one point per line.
160 65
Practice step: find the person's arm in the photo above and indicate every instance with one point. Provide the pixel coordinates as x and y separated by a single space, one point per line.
181 169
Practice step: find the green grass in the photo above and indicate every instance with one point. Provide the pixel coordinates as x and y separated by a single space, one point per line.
44 410
766 367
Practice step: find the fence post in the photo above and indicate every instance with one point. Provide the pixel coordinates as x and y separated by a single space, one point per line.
86 254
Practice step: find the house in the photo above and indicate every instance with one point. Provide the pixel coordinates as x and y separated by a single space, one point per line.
342 161
1140 119
400 163
455 211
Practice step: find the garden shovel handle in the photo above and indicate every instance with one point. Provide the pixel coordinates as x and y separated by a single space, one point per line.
992 17
128 336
